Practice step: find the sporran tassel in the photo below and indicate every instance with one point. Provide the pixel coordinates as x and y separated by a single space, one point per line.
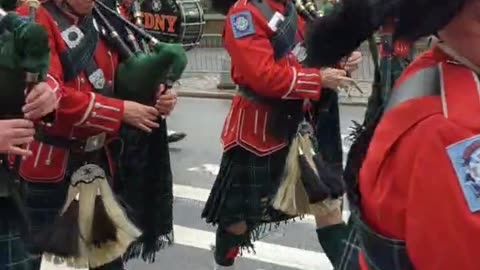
62 237
285 198
303 189
126 231
314 187
103 228
333 180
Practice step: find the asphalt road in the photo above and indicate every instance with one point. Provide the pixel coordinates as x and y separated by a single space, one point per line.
195 163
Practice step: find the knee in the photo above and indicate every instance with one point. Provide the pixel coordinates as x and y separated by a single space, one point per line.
239 228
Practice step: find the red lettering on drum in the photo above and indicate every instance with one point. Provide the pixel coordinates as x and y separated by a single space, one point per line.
171 22
157 22
148 20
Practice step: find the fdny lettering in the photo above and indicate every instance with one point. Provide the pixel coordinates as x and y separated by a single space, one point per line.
242 24
465 158
159 22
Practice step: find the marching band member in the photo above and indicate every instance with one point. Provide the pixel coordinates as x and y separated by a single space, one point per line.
421 146
264 116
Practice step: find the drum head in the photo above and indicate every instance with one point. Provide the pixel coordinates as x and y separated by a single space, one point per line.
174 21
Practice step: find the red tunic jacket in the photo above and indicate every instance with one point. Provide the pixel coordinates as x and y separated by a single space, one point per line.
253 66
419 181
81 112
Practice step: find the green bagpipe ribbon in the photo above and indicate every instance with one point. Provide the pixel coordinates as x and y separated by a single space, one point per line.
137 78
23 48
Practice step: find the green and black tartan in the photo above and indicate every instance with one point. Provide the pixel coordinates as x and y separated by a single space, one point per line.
244 189
13 253
144 182
326 119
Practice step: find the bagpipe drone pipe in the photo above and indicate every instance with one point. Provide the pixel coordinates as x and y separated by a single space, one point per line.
24 59
142 68
312 182
145 181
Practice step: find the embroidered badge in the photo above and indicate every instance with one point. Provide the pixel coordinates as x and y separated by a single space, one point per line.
465 157
242 24
72 36
300 52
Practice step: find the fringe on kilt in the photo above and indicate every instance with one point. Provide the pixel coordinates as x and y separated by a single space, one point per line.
243 190
146 187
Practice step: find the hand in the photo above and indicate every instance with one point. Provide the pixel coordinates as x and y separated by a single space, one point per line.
40 101
140 116
166 102
327 219
353 61
13 133
333 78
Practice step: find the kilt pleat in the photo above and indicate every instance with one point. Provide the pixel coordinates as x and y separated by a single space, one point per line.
244 189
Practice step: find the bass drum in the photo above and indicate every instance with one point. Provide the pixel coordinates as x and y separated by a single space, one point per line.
180 21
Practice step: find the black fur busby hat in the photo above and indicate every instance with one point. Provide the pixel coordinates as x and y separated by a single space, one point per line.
336 35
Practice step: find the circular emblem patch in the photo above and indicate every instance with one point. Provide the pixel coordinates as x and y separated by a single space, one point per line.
241 23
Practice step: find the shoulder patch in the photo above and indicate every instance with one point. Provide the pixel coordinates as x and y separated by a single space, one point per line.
465 158
242 24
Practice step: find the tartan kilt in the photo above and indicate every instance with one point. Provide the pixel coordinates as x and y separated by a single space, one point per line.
42 203
13 253
244 189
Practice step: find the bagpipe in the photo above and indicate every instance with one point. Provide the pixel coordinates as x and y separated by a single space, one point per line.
143 67
178 21
24 59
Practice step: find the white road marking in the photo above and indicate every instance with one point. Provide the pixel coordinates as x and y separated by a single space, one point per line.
211 169
265 252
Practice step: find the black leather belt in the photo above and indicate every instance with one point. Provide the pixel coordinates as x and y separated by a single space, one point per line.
90 144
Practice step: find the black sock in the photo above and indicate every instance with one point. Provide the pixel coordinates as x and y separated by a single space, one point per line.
227 246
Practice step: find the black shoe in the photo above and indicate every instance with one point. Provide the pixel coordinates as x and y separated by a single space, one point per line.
176 136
